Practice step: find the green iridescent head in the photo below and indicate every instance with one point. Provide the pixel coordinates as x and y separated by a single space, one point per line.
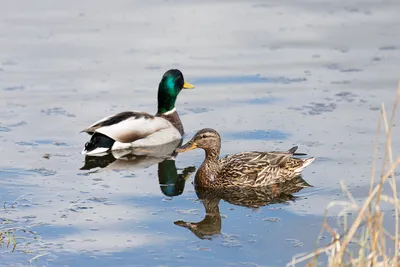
171 84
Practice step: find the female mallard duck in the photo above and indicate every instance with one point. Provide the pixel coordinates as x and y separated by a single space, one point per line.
246 169
132 129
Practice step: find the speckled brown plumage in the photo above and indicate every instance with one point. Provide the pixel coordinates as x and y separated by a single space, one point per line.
246 169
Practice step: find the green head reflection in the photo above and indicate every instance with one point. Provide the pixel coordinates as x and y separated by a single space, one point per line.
171 183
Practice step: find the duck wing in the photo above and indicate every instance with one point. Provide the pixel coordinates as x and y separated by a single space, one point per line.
292 151
128 126
245 168
248 161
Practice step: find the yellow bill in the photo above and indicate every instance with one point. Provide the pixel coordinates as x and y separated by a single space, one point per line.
187 85
186 147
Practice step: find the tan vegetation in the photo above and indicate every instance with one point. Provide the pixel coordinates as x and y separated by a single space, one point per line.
363 240
14 238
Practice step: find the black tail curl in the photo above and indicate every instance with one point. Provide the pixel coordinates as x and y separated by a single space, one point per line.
293 150
99 140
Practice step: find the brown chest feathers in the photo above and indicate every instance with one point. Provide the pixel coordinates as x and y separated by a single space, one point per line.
174 119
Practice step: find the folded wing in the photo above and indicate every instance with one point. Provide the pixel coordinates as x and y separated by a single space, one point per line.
129 126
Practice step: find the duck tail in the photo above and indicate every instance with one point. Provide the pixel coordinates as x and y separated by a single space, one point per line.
293 150
306 162
98 144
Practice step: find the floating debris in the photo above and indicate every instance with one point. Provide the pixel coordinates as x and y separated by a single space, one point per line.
43 171
57 111
295 242
272 219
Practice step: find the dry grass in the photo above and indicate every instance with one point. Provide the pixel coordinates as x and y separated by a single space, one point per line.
7 239
365 242
16 235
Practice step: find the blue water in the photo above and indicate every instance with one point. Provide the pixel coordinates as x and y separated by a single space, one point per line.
258 135
246 79
245 234
268 74
169 244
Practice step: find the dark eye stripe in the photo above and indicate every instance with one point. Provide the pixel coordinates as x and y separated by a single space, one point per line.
206 136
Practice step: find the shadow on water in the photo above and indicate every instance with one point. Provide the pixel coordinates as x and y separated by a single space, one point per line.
252 198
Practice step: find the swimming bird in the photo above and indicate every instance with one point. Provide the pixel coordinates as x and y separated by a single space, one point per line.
135 129
246 169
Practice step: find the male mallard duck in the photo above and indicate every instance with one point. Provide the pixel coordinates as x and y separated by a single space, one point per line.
246 169
131 129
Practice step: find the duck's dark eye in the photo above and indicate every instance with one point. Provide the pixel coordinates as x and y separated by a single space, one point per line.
202 136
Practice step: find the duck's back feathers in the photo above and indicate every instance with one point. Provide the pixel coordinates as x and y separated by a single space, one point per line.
129 126
250 164
261 168
129 130
115 119
292 151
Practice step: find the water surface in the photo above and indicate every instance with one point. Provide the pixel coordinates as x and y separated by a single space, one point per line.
269 75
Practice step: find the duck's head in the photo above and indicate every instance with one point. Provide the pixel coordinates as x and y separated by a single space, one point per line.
207 139
170 85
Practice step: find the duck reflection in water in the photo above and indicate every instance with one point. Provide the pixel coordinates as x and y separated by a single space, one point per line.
253 198
132 159
171 182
